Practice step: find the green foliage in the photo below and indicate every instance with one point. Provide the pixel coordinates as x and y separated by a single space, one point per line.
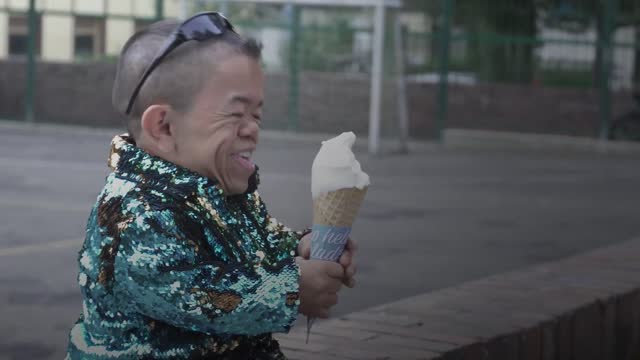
496 33
564 13
244 13
326 48
455 65
566 78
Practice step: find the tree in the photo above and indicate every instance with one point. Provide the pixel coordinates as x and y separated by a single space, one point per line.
500 35
594 13
502 39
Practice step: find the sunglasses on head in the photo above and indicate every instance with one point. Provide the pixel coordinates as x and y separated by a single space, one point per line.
200 27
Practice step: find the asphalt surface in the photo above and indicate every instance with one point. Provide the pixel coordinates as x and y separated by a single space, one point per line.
431 219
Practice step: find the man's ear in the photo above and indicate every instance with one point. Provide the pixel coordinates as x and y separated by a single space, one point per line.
156 129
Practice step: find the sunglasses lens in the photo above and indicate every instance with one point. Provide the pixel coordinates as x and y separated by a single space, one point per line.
204 27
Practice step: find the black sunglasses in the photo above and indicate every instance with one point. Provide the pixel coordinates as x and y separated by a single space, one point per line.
199 27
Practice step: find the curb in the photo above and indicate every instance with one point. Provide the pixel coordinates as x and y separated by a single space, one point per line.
453 139
486 139
387 146
53 128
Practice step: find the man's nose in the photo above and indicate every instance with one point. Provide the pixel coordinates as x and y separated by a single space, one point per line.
249 129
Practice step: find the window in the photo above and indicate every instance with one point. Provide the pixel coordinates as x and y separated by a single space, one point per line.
89 37
18 44
85 46
19 35
142 24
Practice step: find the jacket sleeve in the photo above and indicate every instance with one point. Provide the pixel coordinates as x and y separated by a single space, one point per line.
286 238
161 274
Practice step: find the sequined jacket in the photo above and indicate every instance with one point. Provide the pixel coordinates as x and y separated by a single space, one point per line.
171 268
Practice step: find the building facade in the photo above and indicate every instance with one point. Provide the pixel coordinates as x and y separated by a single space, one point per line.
69 30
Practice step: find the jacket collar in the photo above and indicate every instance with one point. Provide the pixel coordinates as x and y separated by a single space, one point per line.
128 160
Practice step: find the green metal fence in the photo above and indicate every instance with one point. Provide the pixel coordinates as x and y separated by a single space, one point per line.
551 44
544 45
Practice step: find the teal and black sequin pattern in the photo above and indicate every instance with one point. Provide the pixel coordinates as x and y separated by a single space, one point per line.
172 268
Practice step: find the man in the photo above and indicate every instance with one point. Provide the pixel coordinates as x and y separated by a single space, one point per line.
181 259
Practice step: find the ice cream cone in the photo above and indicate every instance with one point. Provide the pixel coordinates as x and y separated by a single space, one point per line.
338 208
338 187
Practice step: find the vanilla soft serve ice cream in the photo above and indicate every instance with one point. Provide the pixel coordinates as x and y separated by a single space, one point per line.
335 167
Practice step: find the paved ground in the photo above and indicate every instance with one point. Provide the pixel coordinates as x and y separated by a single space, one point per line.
431 219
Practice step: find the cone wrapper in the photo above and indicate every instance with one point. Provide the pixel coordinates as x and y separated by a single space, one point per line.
333 216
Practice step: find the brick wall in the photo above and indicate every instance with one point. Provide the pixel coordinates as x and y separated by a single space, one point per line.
65 93
80 94
531 109
586 307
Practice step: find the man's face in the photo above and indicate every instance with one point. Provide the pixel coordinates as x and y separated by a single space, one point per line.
218 135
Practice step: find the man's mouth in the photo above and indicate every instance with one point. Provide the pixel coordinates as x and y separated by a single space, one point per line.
244 159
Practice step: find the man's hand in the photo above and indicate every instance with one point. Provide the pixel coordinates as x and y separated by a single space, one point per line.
347 259
319 282
348 262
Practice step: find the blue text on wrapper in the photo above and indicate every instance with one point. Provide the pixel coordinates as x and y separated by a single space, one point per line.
328 242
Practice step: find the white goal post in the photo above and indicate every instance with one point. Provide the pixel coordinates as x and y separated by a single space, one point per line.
380 7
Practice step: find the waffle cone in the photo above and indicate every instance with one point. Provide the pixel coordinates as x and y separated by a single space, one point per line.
338 208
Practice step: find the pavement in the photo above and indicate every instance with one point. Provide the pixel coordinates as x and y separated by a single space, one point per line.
432 219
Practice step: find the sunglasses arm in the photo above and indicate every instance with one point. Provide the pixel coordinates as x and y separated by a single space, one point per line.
170 44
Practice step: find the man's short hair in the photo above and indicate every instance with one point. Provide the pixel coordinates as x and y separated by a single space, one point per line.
178 78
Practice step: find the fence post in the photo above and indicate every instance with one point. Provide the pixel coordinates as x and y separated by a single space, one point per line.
443 85
400 34
159 10
294 68
377 69
606 67
31 64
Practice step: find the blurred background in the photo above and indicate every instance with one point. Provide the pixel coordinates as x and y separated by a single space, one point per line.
536 66
498 134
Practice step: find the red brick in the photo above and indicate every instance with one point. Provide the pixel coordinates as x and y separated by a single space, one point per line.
504 347
624 325
305 355
549 340
531 344
355 349
564 338
383 318
609 330
477 325
627 326
470 352
587 333
351 334
293 343
421 332
519 312
412 343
